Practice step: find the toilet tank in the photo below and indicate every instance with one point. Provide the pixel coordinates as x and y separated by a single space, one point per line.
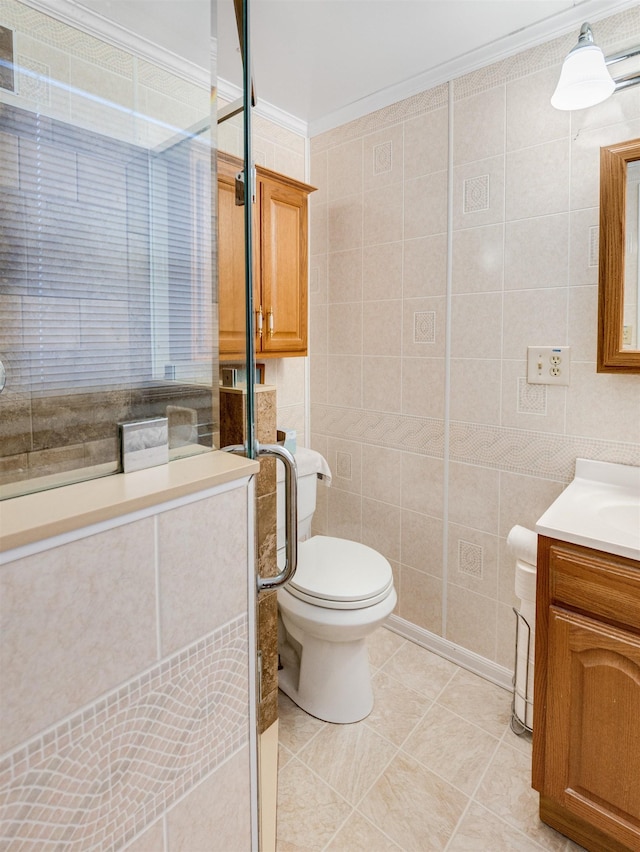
309 464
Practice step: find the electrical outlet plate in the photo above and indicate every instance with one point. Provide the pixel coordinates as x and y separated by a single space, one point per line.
548 365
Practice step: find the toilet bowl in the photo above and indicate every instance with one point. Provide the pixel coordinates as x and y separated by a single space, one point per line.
341 592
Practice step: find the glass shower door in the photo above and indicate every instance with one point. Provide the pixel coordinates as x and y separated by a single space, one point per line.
268 577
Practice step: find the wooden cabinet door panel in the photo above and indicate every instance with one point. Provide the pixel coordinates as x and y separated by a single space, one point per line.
593 723
283 249
231 271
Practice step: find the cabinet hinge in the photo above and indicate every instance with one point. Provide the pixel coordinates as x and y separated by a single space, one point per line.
240 187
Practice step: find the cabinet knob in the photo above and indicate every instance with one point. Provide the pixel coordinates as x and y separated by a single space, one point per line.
270 321
259 320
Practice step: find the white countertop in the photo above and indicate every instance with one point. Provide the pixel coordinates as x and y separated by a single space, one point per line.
599 509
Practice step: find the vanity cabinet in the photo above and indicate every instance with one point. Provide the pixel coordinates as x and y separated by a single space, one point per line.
280 237
586 732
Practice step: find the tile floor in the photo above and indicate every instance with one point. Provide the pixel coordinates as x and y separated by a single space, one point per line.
435 766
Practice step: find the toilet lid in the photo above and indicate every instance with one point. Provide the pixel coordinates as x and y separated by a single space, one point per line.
340 574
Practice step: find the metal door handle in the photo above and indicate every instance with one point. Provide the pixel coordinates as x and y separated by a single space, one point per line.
290 509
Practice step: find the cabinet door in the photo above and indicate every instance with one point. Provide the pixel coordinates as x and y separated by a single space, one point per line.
231 296
283 256
231 271
593 724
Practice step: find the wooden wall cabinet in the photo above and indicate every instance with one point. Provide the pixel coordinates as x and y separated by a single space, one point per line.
586 732
280 237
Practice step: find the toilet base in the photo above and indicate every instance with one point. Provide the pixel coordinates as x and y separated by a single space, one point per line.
338 686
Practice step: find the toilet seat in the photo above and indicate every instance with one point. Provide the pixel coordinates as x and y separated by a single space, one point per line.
337 573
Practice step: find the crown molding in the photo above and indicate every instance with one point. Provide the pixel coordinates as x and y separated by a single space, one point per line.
72 13
551 28
231 92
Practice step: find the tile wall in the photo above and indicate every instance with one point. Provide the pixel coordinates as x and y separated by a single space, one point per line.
273 146
419 400
125 683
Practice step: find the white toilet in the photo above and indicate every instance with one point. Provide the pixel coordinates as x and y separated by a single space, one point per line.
341 592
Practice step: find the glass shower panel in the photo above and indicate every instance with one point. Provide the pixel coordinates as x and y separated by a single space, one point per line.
106 296
180 303
236 200
249 195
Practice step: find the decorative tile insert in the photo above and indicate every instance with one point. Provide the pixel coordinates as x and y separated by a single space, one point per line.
540 454
382 158
594 245
98 779
34 81
418 104
469 558
6 59
415 434
343 465
68 40
169 84
476 194
424 327
532 399
549 456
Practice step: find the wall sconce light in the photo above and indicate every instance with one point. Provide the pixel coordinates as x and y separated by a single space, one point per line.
585 79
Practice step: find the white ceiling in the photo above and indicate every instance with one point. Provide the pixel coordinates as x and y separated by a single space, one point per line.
327 61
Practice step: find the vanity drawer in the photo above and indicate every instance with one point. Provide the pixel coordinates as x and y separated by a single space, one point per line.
597 583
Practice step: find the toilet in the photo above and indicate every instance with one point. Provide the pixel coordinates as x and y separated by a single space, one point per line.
341 592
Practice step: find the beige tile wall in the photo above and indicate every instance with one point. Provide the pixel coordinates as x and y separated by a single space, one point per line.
407 348
125 696
273 146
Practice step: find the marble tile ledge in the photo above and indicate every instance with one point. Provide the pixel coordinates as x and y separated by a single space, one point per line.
33 517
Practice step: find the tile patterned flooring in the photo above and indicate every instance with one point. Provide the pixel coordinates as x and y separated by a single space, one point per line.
435 766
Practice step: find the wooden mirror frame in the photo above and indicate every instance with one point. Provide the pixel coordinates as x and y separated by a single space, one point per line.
612 358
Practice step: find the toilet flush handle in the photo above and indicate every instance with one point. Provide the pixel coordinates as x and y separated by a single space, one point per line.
290 508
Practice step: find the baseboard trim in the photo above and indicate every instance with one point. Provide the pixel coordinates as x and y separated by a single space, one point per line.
450 651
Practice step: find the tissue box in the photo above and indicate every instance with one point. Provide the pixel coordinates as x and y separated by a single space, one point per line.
287 437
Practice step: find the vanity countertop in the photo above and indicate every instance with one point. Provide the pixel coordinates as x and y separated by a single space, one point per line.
599 509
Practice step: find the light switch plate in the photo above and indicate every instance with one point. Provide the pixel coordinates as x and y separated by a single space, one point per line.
548 365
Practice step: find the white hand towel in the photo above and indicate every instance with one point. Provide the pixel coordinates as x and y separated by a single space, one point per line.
310 461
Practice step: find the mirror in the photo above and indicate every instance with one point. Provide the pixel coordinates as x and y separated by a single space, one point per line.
619 273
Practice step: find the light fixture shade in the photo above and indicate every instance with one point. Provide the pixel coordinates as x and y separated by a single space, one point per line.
584 79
